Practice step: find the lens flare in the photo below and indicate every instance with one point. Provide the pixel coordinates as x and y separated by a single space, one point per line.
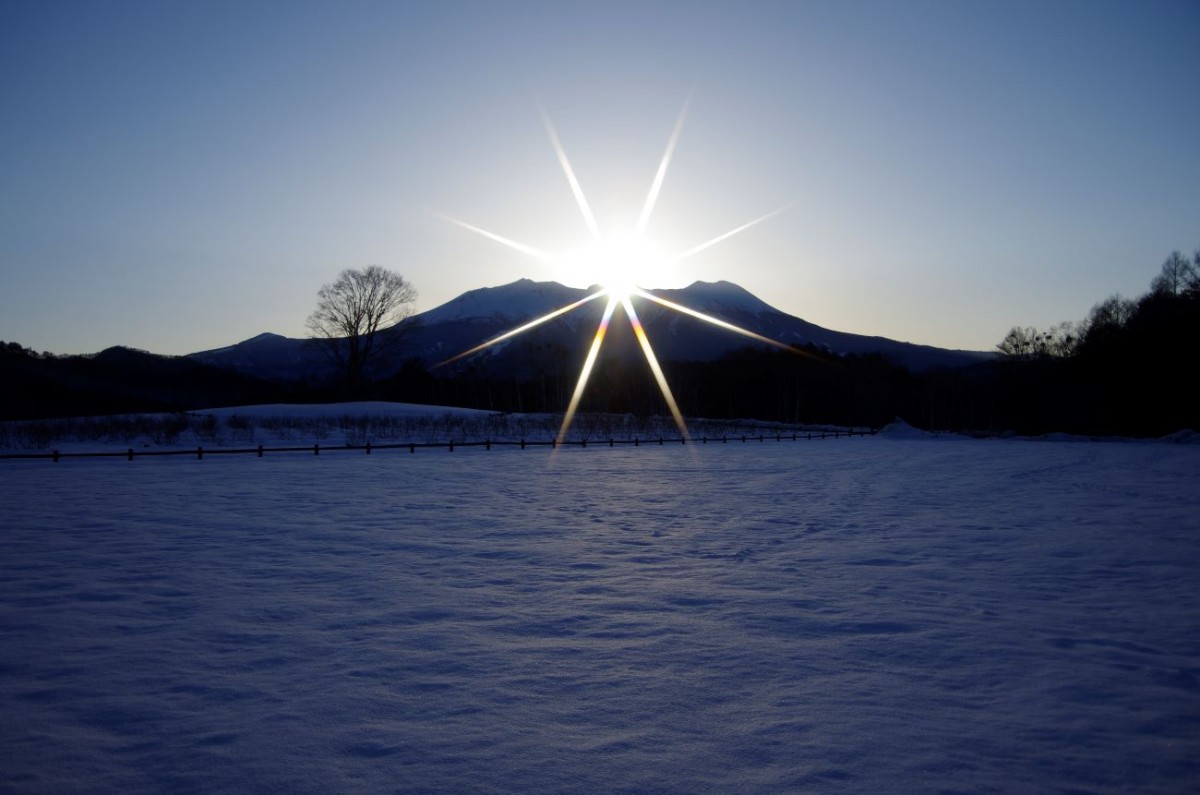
586 371
580 199
522 329
709 243
715 321
661 174
652 360
618 262
524 249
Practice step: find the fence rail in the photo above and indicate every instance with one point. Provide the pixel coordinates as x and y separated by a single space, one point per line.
316 449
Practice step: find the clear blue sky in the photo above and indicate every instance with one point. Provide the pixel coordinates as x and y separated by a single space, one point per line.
178 176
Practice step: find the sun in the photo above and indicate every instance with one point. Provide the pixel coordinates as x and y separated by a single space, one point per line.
620 265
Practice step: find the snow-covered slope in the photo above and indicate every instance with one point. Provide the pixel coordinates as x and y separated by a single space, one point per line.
522 299
717 297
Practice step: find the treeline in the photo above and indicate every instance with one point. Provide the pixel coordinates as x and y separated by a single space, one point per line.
1129 367
1118 324
122 380
805 386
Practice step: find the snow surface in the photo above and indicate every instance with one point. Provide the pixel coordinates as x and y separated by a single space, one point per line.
717 297
861 615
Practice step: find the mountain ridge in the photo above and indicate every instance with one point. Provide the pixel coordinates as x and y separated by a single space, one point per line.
483 313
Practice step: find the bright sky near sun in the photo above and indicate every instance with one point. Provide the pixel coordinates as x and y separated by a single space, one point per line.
182 176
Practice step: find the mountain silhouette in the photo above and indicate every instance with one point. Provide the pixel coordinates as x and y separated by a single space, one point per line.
482 314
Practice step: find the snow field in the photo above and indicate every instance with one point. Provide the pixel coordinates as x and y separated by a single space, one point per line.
879 614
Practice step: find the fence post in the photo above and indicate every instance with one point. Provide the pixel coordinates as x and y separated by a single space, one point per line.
260 451
412 448
316 449
635 441
660 441
487 444
130 453
522 444
452 445
368 448
554 443
56 456
610 441
199 453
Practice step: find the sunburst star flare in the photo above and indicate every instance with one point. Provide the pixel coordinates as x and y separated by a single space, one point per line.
586 371
618 292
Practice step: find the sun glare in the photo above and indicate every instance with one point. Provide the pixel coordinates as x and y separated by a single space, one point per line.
621 264
618 263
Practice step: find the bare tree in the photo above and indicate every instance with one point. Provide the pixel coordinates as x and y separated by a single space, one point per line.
1062 341
1176 277
1056 342
353 312
1106 322
1019 343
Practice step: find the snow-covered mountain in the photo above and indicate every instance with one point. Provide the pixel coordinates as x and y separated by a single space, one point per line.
481 314
523 298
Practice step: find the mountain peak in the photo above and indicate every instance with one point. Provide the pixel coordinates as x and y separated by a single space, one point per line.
523 298
719 295
526 298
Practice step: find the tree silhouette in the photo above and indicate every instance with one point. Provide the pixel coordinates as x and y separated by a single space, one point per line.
353 312
1178 275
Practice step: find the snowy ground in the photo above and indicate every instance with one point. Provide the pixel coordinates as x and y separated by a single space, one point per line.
860 615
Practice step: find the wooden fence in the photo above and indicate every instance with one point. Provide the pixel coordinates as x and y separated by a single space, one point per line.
412 447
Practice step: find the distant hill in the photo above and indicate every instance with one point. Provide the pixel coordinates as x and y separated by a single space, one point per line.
118 380
482 314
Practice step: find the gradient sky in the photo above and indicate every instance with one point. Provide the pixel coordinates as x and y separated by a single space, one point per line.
177 176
